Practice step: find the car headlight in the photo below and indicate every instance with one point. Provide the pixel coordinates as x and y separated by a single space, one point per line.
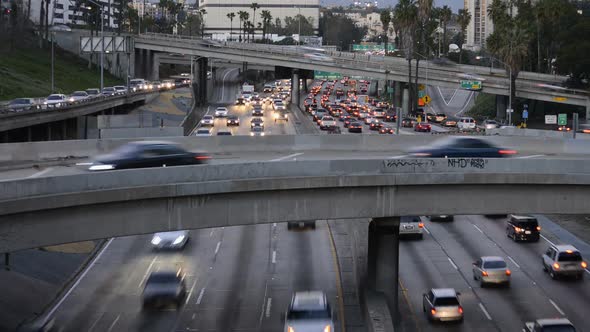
251 134
101 167
156 240
71 100
179 239
261 134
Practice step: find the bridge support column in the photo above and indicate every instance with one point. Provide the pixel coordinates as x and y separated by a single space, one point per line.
295 88
406 102
199 82
588 110
155 67
501 105
138 63
29 134
383 260
397 97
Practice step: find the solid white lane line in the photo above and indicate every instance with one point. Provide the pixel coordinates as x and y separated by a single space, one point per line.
223 83
557 308
274 256
114 322
95 322
217 248
148 271
287 157
268 304
52 311
200 298
451 261
441 95
452 97
485 312
513 261
426 230
38 174
531 156
190 292
546 239
479 229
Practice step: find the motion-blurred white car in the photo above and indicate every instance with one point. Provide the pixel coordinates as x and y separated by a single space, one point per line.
78 96
55 100
170 240
221 112
309 311
318 57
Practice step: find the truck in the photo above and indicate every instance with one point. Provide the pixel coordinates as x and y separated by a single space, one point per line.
549 324
247 91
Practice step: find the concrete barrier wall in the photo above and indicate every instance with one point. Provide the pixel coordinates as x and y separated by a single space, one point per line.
141 132
138 120
39 151
533 133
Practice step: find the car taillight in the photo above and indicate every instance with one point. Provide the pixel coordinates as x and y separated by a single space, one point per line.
201 157
460 310
556 266
508 272
433 311
484 274
507 151
421 225
584 265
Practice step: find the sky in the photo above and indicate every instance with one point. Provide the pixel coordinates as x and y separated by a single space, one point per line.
454 4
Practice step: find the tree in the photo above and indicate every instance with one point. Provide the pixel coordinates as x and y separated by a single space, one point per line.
231 17
266 22
572 58
243 16
340 30
405 16
385 18
445 15
278 26
424 16
298 24
254 6
463 18
202 13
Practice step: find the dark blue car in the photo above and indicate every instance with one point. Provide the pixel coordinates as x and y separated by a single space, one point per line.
462 147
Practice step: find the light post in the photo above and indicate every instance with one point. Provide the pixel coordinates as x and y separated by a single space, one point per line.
52 63
426 86
509 110
101 42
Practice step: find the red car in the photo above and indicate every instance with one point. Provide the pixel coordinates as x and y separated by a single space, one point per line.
421 126
386 130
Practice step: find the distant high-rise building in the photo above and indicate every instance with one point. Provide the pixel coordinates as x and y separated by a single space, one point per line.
65 12
480 26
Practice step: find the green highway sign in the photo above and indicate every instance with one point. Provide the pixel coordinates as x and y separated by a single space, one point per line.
562 119
326 74
471 85
421 93
379 47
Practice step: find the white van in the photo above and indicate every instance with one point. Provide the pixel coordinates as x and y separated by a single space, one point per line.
466 123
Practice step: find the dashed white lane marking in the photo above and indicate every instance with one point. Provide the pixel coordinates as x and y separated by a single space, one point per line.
268 304
546 239
274 257
513 261
200 298
485 312
95 322
190 292
452 263
38 174
114 323
211 233
147 271
479 229
287 157
531 156
557 308
217 247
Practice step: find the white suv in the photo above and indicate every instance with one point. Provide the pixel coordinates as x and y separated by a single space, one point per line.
466 123
221 112
411 225
564 260
309 311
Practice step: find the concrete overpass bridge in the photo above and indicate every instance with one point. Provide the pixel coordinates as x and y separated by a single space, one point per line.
383 68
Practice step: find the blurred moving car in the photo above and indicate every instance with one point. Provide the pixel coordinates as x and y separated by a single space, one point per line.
442 304
307 312
280 116
93 93
411 226
564 128
462 147
137 84
256 122
490 124
318 57
170 240
207 120
109 91
257 131
55 100
390 117
564 260
301 224
549 325
491 270
442 217
327 122
449 123
224 132
221 112
120 89
232 120
22 104
523 228
257 111
386 130
163 288
203 132
78 96
408 123
355 127
147 154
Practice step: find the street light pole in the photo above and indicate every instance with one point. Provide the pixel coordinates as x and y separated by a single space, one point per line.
101 42
52 63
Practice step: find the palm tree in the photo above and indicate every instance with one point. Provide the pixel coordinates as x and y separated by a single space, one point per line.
424 15
243 17
404 16
254 6
445 16
385 18
202 12
266 19
231 24
463 18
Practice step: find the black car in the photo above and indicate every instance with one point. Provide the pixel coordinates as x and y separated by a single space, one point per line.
462 147
355 127
163 288
442 217
257 111
523 228
386 130
343 118
232 120
375 125
389 117
147 154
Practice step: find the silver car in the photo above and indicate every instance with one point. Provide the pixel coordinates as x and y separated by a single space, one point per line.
411 225
309 312
170 240
491 270
442 304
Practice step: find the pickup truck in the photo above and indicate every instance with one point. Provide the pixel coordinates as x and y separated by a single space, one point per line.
549 324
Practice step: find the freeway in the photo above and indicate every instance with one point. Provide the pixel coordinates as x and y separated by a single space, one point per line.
444 258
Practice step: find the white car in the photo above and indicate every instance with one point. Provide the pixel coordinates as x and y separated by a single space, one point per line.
327 122
378 113
208 120
170 240
368 120
78 96
221 112
203 132
411 226
309 311
257 131
55 100
318 57
279 106
466 123
121 90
